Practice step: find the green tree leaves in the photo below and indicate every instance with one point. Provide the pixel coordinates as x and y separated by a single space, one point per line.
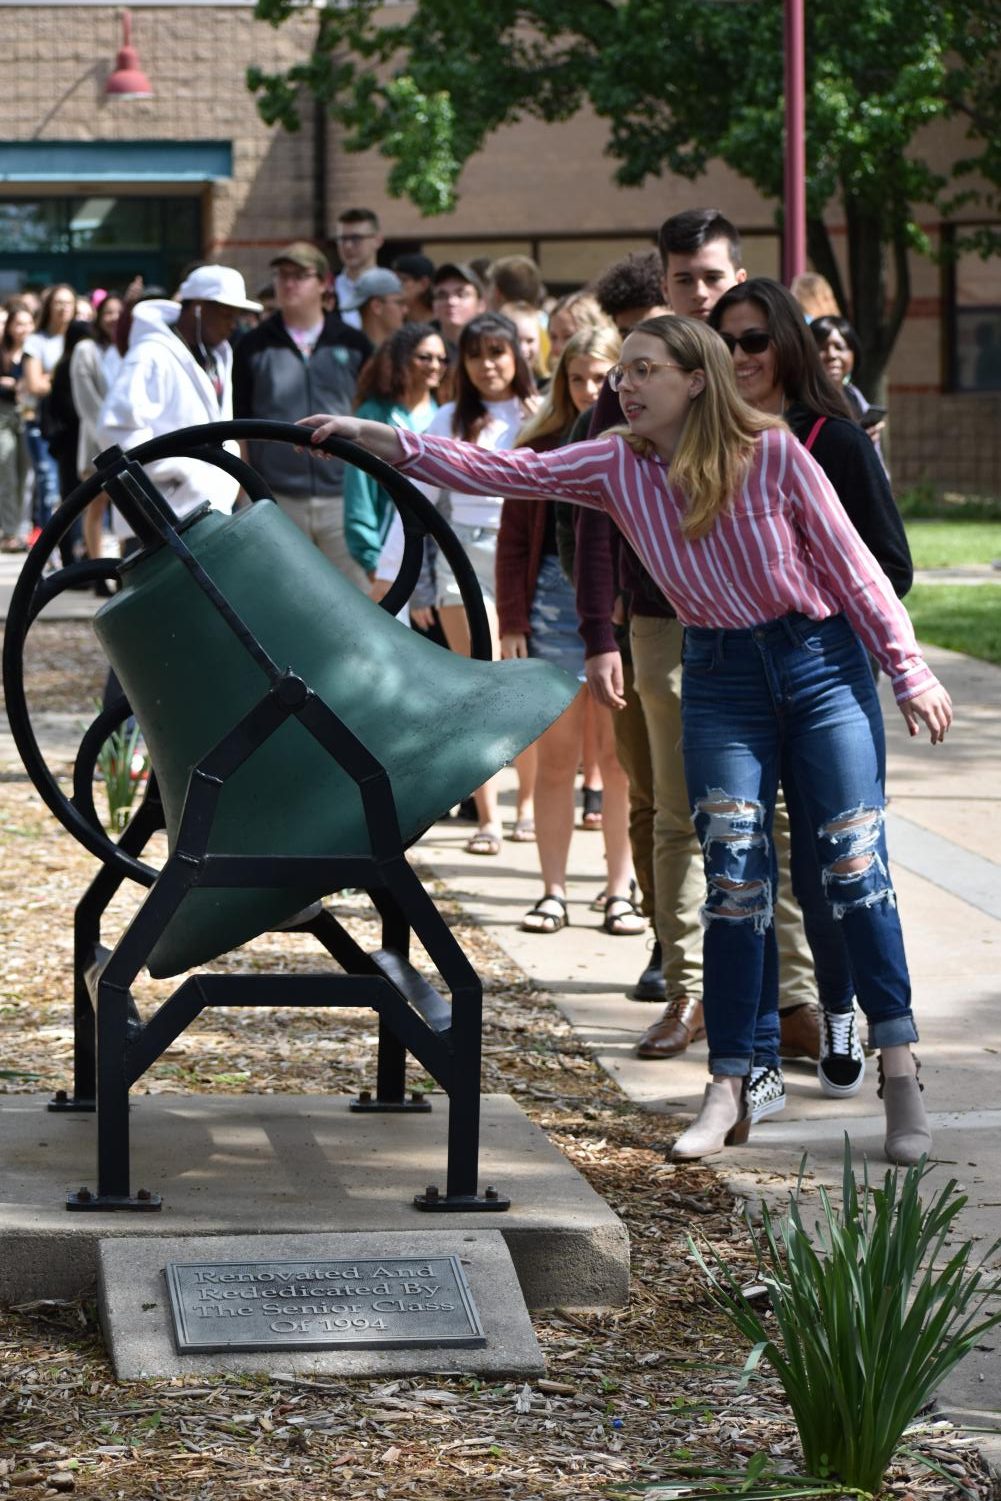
680 83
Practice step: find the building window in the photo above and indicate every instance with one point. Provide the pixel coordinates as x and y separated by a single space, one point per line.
97 239
976 320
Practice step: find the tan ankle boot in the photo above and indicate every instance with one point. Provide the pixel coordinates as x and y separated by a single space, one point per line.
908 1135
721 1122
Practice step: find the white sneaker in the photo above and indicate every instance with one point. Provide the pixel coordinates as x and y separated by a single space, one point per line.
841 1067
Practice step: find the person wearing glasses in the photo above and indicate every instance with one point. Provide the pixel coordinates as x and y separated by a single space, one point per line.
280 369
699 260
494 394
358 239
398 385
780 599
457 295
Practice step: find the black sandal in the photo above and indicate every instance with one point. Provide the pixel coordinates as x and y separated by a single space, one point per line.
591 818
623 919
550 913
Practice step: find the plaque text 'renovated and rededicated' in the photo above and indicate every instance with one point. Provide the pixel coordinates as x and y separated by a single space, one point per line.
298 1305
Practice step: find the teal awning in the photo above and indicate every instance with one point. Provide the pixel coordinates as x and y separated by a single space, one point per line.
115 161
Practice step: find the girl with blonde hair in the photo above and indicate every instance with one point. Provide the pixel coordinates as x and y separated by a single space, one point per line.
538 618
570 315
780 598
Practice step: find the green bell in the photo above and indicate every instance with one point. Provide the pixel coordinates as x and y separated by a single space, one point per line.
440 724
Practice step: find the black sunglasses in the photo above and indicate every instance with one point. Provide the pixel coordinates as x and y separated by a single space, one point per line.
755 341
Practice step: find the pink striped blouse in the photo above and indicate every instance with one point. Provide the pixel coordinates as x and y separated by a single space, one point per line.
785 544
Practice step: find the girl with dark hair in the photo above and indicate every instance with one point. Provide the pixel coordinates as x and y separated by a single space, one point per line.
739 526
42 352
13 466
63 423
62 432
841 356
397 385
494 393
778 369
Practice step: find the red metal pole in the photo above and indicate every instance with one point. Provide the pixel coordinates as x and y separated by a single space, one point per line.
794 239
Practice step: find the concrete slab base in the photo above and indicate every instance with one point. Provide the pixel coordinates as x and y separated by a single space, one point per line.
296 1164
138 1328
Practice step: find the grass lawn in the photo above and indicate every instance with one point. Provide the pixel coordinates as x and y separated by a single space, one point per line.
948 544
960 617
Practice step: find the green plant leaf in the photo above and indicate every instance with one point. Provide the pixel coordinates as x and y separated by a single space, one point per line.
873 1308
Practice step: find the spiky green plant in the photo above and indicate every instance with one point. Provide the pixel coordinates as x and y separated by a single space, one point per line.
121 784
870 1314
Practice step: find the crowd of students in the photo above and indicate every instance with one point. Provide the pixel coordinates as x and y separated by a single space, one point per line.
665 486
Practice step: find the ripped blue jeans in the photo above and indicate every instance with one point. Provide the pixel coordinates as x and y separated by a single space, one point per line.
792 700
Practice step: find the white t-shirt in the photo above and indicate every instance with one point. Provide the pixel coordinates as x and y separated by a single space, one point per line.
505 419
47 348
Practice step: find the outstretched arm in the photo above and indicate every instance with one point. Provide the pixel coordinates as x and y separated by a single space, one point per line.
585 473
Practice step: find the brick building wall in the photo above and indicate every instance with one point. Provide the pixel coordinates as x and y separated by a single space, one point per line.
196 58
948 441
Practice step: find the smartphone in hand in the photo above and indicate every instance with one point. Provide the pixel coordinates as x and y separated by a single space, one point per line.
872 417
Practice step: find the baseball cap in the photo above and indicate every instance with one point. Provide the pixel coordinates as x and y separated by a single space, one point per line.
217 284
375 283
306 256
461 269
413 265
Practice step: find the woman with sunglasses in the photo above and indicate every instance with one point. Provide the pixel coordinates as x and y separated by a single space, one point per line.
397 385
778 370
739 526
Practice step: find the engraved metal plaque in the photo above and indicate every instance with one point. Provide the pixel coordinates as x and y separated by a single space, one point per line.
389 1302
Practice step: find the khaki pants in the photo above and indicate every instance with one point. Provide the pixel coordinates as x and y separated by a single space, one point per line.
679 879
321 517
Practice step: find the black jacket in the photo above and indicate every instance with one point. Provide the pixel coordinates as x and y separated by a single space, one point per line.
271 379
847 456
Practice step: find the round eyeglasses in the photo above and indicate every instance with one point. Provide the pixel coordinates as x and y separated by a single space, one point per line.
638 371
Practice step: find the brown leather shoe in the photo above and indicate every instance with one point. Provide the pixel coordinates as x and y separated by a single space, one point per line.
800 1032
680 1024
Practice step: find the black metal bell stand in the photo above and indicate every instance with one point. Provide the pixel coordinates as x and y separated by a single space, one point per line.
113 1045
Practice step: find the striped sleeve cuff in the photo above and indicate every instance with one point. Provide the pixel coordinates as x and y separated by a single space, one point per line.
914 679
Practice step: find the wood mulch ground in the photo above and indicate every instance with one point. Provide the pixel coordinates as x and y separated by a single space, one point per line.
635 1399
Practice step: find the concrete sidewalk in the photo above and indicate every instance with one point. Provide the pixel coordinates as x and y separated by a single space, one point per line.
944 835
944 832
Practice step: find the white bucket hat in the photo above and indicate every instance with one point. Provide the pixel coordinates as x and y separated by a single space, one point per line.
217 284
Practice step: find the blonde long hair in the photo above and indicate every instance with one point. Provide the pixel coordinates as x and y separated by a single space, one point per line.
720 431
557 413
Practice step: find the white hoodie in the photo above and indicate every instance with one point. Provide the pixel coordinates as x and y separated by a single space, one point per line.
160 388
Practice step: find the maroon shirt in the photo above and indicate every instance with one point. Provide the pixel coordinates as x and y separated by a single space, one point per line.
520 547
606 565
